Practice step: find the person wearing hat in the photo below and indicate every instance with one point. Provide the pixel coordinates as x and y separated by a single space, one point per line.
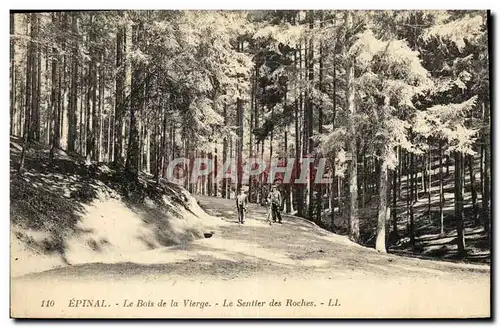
241 205
274 199
269 209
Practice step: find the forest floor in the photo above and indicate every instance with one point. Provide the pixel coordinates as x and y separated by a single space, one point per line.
430 242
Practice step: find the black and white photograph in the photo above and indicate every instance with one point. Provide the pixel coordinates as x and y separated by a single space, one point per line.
250 164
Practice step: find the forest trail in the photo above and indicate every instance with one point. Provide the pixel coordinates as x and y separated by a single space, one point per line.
300 248
296 254
295 249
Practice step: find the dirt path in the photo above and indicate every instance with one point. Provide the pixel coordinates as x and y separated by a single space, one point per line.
297 253
299 248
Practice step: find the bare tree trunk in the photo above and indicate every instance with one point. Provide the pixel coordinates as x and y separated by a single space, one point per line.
382 207
429 186
12 75
64 77
239 108
448 165
224 155
216 169
48 122
441 194
288 202
459 221
22 105
473 187
35 78
310 117
147 145
332 196
119 93
210 176
424 174
298 188
73 92
55 96
28 96
93 95
395 188
486 174
252 126
109 133
481 168
412 188
334 101
415 178
400 170
165 143
136 104
353 164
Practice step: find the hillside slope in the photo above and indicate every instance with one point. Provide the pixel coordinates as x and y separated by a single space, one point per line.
64 212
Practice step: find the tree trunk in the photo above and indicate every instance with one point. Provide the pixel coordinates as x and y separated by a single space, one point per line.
73 92
28 96
441 194
429 186
353 165
486 174
332 197
81 146
22 105
48 113
382 208
216 169
209 177
252 126
55 99
224 155
310 117
424 174
400 171
93 95
459 220
298 188
239 108
119 93
64 86
412 188
334 101
395 188
472 179
157 144
136 104
12 74
288 188
100 114
109 132
35 81
481 167
447 165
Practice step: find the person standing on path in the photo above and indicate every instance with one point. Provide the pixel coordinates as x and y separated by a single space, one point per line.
274 199
241 206
269 209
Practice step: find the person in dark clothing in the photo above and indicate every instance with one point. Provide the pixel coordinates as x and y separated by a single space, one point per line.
241 206
274 199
